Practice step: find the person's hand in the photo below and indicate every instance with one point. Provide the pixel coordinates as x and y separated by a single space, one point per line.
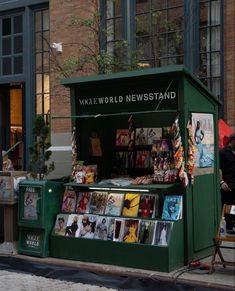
224 186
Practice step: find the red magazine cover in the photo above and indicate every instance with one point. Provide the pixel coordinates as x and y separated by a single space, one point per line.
122 137
146 206
69 201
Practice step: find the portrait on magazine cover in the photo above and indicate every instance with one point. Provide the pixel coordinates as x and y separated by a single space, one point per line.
203 130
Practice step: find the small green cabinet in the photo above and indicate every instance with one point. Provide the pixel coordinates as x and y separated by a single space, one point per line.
39 202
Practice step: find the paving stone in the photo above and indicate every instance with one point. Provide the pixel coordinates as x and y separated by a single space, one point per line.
25 282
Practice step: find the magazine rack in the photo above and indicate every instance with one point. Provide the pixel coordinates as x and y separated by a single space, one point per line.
9 182
218 241
152 257
39 201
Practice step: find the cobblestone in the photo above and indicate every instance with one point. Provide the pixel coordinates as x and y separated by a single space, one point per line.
24 282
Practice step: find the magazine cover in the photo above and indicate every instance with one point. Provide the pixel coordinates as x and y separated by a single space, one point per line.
111 222
101 229
131 204
30 205
69 201
118 229
146 235
114 204
131 228
142 159
87 226
146 206
172 207
121 160
154 134
203 134
98 202
122 137
73 225
83 202
61 223
158 206
141 136
163 232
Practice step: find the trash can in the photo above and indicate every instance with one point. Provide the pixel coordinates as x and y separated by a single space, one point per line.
39 202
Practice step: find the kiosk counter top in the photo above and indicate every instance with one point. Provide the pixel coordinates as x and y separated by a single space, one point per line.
136 188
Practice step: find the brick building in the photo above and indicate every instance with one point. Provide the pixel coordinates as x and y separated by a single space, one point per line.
40 42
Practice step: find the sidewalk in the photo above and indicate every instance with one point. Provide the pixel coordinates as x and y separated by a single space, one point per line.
221 279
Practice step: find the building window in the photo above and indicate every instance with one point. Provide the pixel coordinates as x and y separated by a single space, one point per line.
156 34
159 32
210 44
42 70
11 52
114 32
157 38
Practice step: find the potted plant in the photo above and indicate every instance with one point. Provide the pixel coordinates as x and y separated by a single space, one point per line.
39 153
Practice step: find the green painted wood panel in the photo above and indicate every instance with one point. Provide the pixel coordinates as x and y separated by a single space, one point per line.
164 259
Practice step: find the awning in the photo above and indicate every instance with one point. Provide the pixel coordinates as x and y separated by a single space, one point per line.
224 132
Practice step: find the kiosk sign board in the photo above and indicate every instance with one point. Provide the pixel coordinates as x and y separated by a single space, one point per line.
124 95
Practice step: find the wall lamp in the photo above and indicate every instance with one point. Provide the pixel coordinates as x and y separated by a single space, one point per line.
57 46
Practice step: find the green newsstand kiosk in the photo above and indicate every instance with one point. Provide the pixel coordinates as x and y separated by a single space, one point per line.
153 98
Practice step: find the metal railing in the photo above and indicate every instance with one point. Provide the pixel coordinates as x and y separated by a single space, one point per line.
12 148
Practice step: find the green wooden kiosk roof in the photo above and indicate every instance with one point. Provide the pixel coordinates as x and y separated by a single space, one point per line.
168 70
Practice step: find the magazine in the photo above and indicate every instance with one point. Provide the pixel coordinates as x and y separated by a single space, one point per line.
83 202
118 229
61 223
122 137
154 134
114 204
87 226
163 232
146 206
131 204
30 205
120 181
146 235
111 222
131 227
101 229
69 201
172 207
98 202
121 160
73 225
158 206
142 159
141 136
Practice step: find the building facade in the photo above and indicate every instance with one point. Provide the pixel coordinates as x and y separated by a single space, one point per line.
43 42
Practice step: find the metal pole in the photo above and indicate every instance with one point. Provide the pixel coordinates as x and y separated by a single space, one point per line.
1 131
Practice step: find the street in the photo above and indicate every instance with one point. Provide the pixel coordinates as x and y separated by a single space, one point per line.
24 282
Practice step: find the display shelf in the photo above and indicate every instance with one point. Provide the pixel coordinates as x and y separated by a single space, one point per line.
137 255
149 257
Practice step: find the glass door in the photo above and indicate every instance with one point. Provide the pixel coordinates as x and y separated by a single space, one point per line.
11 122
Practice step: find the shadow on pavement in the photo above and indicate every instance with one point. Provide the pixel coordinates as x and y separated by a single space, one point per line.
77 275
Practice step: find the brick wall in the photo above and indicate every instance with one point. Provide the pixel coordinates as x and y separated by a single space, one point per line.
229 62
61 30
